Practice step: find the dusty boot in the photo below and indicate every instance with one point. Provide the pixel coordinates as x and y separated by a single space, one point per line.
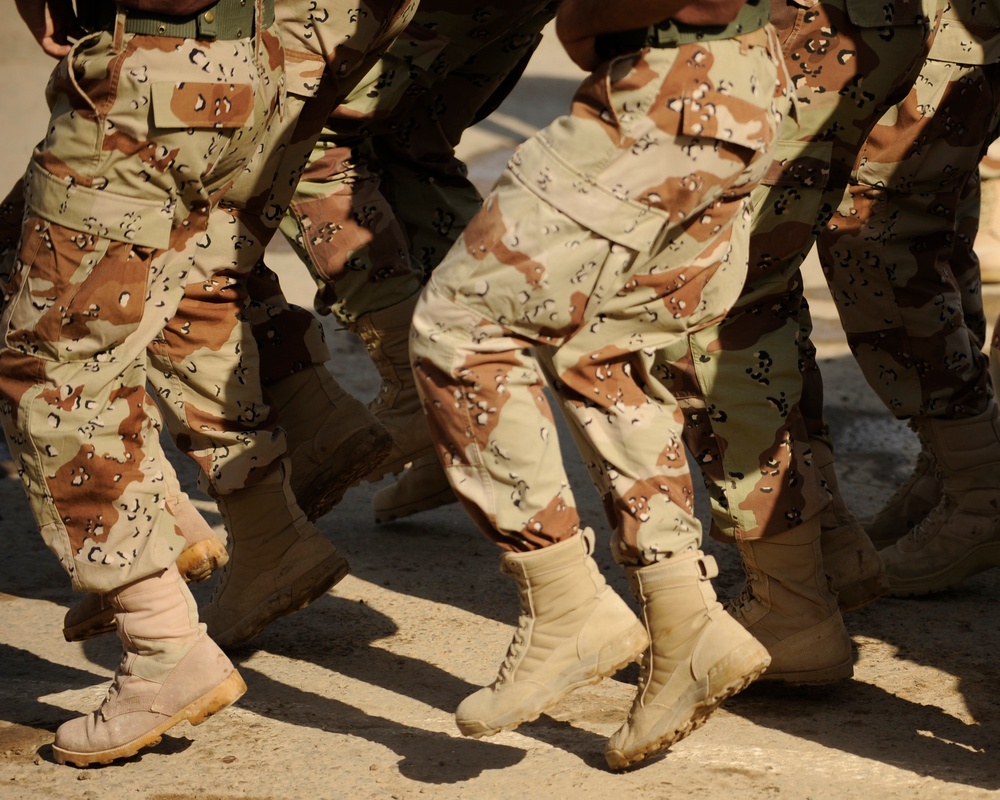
911 502
787 604
573 630
170 671
698 656
386 334
333 439
961 536
93 615
420 487
279 562
852 565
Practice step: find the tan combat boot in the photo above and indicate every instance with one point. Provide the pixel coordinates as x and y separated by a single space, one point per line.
697 657
420 487
787 604
852 564
203 553
961 536
386 334
279 562
170 672
911 502
333 439
573 630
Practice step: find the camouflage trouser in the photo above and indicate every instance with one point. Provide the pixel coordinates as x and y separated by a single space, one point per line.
740 381
897 254
146 135
616 230
330 45
384 197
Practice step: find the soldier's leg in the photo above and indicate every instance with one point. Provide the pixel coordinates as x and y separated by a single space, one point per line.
897 233
600 282
740 382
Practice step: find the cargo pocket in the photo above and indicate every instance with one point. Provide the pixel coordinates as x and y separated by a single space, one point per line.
78 295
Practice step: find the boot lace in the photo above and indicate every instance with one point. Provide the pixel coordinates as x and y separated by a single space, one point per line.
932 523
513 650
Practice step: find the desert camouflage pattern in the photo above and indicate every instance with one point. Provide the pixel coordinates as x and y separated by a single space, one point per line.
616 230
898 252
384 197
145 137
740 382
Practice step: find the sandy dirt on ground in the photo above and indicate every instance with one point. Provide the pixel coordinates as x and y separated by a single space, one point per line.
353 697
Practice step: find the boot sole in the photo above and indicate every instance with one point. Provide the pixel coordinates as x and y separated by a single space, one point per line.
972 563
634 642
385 514
757 660
201 559
196 563
305 589
355 458
222 696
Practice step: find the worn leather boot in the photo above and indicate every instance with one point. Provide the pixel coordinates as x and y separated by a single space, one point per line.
279 562
961 535
852 564
333 439
697 657
170 672
787 605
573 630
93 615
911 502
420 487
386 335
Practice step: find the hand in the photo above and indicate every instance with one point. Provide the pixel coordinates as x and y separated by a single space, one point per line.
576 40
53 24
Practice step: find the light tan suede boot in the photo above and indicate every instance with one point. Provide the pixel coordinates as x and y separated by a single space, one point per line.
697 657
573 630
204 552
961 536
386 334
279 562
170 672
852 564
333 439
911 502
787 604
420 487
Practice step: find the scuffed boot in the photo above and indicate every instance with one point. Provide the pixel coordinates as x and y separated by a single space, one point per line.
573 630
94 616
698 656
333 439
961 536
787 604
170 672
852 564
279 562
386 334
911 502
420 487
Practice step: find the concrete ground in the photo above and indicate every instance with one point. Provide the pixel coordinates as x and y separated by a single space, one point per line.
353 696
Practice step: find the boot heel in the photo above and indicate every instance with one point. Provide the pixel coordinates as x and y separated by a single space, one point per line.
222 696
200 560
